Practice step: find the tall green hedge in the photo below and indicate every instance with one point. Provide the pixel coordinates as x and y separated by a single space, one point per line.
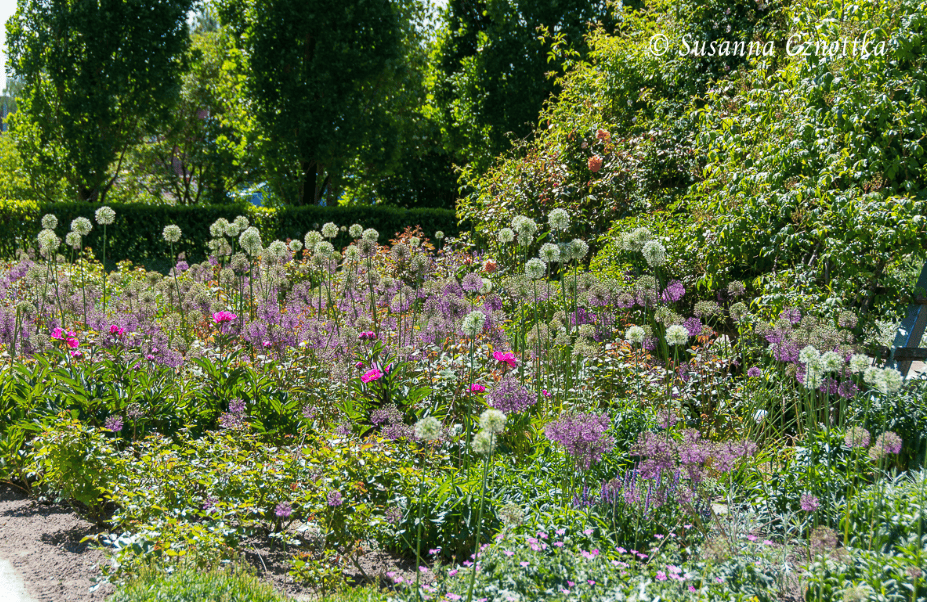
136 233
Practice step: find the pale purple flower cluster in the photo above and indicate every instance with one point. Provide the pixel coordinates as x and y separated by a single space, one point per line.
283 510
113 423
809 503
510 396
694 326
673 292
234 418
663 452
334 498
582 436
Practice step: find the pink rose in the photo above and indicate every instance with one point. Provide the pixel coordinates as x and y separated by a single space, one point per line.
73 343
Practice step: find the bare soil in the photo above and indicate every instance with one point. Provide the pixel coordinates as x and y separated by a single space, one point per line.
43 543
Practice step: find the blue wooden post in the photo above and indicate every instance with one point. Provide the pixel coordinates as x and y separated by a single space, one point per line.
909 335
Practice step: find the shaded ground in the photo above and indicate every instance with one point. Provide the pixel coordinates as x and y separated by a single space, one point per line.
43 543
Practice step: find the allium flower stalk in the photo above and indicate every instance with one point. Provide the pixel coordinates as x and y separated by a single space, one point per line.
559 219
654 253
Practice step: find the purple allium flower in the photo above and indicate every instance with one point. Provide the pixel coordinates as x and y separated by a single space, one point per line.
472 283
847 389
673 292
393 515
113 423
283 510
754 372
888 442
793 315
582 436
856 437
694 326
667 418
209 503
334 498
182 266
510 396
809 503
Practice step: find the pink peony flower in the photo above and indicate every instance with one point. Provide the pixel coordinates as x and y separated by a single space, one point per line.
73 343
58 333
371 376
508 357
477 388
221 317
545 393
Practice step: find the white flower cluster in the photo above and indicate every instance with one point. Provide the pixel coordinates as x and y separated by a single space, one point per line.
473 323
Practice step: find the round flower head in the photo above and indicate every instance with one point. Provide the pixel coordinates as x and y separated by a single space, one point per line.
736 288
351 253
654 253
524 226
492 421
439 235
892 379
859 363
677 335
171 233
473 323
250 241
324 249
278 250
428 429
856 437
312 238
72 239
48 240
241 222
296 245
888 442
49 221
105 216
82 226
356 231
506 235
635 334
330 230
594 163
831 361
535 269
559 219
283 510
550 252
218 227
578 249
232 230
738 311
371 235
400 253
482 443
636 240
487 286
874 377
809 355
414 241
809 503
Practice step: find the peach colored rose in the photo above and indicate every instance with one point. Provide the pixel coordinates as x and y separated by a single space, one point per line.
595 163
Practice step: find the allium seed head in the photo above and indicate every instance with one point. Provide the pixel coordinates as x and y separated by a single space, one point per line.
49 221
654 253
859 363
371 235
82 226
105 216
559 219
330 230
535 269
506 235
635 335
428 429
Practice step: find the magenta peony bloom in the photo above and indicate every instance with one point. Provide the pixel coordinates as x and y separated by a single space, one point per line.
507 357
477 388
73 343
220 317
372 375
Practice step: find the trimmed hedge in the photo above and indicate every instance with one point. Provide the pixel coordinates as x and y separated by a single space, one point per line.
136 234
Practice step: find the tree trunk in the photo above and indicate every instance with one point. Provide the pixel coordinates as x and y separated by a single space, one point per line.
307 191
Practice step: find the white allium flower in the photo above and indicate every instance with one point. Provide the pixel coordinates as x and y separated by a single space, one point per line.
809 355
677 335
250 241
48 240
636 240
356 231
473 323
550 252
105 216
72 239
578 249
487 286
586 330
218 227
278 250
492 421
82 226
813 375
241 222
296 245
324 249
49 221
428 429
506 235
482 443
635 334
330 230
351 253
873 377
525 227
439 235
654 253
559 219
832 361
892 379
414 241
171 233
232 230
859 362
535 269
312 238
371 234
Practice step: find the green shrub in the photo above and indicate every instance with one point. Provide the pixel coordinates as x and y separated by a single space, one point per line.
190 584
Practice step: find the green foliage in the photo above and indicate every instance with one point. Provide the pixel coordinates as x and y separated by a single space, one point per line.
188 583
136 233
97 76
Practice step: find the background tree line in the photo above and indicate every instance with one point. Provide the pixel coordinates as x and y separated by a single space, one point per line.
310 102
